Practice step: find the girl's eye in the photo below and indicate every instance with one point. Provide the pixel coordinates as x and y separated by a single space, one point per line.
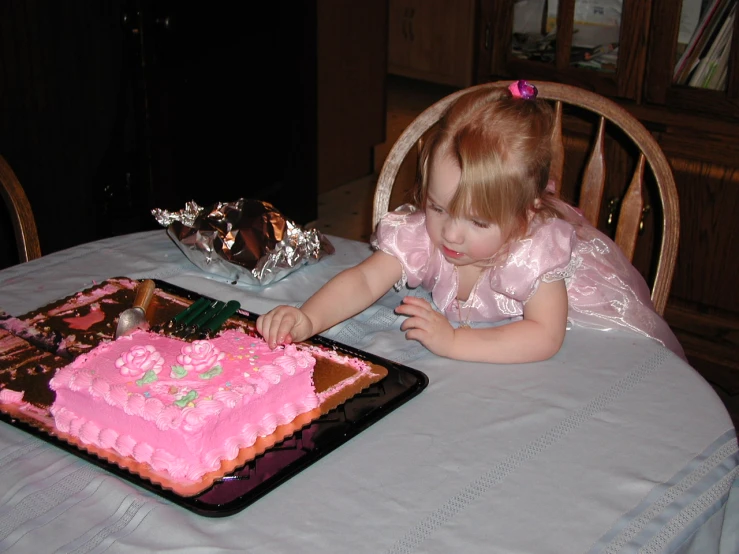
436 208
480 224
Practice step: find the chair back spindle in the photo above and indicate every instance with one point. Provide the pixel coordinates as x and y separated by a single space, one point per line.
630 212
594 179
557 167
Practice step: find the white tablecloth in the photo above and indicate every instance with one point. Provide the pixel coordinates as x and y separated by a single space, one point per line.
613 445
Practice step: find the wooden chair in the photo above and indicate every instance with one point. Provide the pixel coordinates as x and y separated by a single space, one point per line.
24 224
632 203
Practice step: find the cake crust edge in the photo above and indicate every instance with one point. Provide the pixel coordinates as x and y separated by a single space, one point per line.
45 423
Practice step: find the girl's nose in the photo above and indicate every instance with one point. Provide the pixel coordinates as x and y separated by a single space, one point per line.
452 231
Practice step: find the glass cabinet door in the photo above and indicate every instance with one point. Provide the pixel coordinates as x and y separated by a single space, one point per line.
593 35
596 44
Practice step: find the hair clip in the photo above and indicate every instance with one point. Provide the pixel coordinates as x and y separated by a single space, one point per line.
523 89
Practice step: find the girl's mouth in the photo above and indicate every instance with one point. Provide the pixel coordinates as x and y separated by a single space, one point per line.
450 253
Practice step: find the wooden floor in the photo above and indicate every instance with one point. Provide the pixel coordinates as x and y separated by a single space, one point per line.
346 211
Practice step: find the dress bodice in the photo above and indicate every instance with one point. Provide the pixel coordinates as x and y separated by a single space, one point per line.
604 289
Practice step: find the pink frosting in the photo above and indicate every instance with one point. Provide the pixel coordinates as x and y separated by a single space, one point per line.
8 396
84 322
200 356
89 297
140 359
181 407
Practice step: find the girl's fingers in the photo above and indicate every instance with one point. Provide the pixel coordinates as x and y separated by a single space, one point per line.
415 301
276 326
421 321
415 316
412 305
282 335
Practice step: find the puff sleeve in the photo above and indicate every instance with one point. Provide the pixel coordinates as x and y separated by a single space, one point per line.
402 234
545 254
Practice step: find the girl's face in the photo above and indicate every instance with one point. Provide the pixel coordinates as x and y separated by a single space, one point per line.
467 240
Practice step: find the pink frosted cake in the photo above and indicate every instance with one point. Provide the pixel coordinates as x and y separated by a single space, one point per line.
182 407
164 409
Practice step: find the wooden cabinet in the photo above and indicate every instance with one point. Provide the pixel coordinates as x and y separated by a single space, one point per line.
351 53
698 130
432 40
275 101
114 107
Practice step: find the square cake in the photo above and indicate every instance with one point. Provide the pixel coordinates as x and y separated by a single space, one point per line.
182 407
181 414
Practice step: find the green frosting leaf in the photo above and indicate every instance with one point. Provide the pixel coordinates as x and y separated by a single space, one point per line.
178 372
185 400
149 377
215 370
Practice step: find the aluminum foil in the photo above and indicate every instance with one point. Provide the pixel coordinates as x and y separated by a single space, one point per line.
246 241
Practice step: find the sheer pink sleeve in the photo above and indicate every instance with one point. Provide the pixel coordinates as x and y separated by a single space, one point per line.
402 234
543 255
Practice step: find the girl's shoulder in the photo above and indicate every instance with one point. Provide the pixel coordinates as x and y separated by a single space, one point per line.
547 234
403 228
407 220
404 212
402 234
549 242
545 251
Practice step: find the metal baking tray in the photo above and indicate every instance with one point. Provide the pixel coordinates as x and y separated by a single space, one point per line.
267 471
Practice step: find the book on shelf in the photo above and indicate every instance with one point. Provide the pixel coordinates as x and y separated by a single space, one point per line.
713 66
710 27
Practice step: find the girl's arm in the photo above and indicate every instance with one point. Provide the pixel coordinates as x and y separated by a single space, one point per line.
344 296
538 336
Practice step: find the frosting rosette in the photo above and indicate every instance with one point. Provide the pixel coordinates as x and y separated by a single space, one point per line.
200 356
138 360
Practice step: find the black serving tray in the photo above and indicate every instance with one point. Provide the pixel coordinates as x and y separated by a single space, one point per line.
286 459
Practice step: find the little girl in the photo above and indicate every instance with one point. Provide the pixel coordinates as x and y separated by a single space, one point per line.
492 244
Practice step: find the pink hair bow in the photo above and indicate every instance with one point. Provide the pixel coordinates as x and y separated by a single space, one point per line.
523 89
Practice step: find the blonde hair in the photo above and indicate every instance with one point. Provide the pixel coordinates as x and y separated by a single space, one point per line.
502 145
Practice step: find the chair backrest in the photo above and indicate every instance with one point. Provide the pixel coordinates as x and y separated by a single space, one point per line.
632 204
24 224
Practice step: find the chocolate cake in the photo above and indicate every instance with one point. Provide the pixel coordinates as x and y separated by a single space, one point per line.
87 318
26 368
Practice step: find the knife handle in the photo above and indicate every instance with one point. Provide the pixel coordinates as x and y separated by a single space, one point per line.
193 311
144 294
205 316
231 307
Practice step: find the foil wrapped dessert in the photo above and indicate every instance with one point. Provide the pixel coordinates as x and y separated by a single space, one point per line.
246 241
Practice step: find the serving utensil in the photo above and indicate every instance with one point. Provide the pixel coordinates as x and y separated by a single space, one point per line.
135 317
201 319
194 328
218 319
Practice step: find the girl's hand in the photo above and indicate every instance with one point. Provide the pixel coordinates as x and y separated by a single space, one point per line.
426 325
284 325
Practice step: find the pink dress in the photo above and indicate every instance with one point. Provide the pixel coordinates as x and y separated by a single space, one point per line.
604 290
